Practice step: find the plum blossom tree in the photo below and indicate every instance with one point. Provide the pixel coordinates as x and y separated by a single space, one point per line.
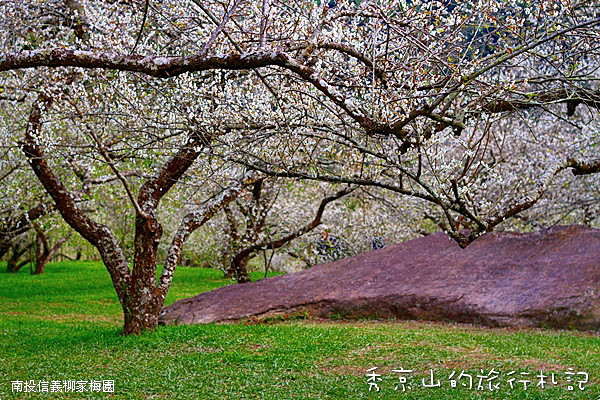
420 98
21 203
250 230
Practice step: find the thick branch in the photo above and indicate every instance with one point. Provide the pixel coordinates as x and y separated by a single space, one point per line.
195 220
164 67
583 168
20 224
276 244
97 234
571 96
157 186
161 67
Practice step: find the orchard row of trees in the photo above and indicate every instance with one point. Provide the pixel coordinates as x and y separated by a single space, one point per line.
250 121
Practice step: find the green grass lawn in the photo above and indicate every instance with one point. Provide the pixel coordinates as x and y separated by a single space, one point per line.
65 324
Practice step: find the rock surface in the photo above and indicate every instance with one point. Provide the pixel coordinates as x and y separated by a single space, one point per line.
549 278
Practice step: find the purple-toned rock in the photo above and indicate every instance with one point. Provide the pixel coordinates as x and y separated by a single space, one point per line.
549 278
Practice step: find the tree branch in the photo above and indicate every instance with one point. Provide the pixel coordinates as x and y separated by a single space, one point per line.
97 234
582 167
165 67
112 164
160 67
219 28
141 31
572 96
195 220
316 221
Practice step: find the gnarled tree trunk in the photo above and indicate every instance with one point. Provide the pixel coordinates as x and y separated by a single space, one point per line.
12 227
256 215
239 267
15 262
43 252
141 308
141 297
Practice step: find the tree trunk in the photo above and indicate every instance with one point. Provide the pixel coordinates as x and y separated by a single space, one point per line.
141 311
13 264
229 272
44 253
10 266
41 255
238 269
140 296
144 300
4 247
239 265
20 225
40 266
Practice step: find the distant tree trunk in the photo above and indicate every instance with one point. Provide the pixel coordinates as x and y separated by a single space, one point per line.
4 247
44 253
68 257
239 267
10 228
239 263
15 261
229 272
15 265
231 246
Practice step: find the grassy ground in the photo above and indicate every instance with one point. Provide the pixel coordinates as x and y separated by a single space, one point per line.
64 325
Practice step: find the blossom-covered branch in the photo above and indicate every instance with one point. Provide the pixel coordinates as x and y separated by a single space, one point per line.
195 220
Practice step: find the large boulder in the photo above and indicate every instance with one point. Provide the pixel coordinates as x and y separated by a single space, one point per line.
549 278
